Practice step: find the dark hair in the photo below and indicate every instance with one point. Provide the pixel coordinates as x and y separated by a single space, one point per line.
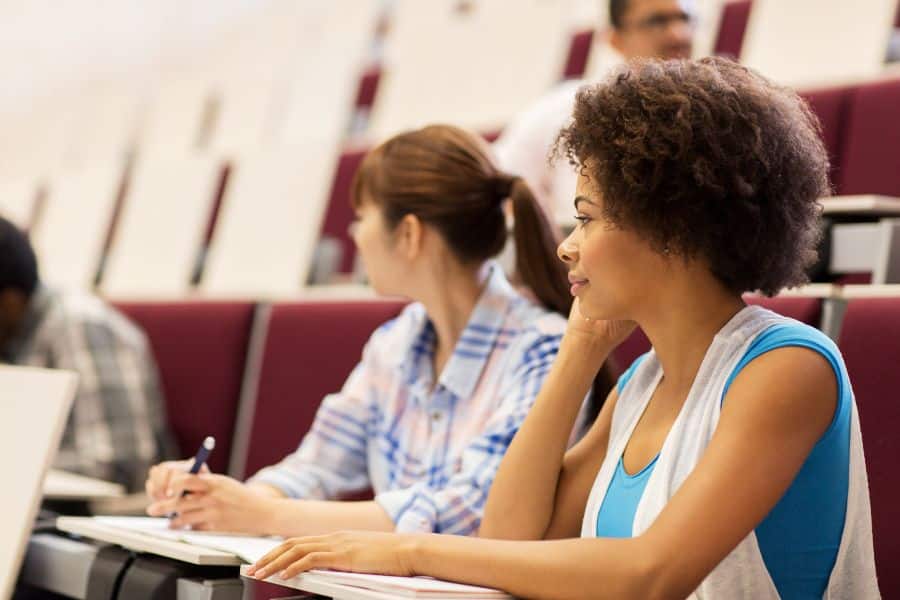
706 159
617 9
18 265
444 176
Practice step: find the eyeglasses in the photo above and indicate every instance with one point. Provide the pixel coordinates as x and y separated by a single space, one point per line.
659 22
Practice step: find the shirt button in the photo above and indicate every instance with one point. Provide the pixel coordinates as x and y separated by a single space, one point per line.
435 416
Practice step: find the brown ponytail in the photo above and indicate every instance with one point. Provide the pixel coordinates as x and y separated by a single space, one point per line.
536 261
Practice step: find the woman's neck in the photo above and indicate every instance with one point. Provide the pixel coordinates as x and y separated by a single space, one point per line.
449 301
682 322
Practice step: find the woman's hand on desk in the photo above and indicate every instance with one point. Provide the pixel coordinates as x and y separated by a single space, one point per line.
360 551
160 477
214 503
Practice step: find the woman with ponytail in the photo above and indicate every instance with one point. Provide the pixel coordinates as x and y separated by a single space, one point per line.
427 415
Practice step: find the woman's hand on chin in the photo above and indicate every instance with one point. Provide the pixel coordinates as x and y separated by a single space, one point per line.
601 333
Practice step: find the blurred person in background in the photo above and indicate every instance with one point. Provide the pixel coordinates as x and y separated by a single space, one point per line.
117 428
426 416
639 29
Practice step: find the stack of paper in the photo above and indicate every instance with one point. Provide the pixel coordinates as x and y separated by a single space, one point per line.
359 586
410 587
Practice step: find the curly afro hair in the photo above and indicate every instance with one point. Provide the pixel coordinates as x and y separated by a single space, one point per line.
706 159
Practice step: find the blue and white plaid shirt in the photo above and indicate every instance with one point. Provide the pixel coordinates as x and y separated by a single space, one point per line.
430 452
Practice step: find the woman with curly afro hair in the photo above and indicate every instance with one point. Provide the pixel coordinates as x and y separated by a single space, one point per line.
727 462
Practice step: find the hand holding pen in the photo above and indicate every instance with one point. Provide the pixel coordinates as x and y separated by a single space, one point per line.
207 502
160 480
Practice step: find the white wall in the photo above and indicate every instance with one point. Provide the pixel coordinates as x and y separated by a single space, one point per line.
49 46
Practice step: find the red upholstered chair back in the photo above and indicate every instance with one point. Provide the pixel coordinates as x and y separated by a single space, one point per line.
201 350
310 349
870 343
806 310
870 164
832 106
368 87
339 213
732 28
626 352
579 51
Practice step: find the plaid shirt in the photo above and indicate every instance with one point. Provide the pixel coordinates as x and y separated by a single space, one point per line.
430 452
115 430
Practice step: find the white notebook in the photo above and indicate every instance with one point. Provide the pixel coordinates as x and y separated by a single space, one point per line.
353 586
153 535
249 548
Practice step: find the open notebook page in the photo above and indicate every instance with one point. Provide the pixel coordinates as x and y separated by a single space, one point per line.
247 547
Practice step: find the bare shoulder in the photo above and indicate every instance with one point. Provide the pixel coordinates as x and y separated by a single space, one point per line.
790 388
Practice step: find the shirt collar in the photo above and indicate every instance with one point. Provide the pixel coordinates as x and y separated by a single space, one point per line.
37 308
475 345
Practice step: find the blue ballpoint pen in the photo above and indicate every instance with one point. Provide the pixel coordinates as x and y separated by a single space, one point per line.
199 459
203 454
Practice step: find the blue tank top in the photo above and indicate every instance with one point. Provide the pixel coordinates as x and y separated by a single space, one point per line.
799 538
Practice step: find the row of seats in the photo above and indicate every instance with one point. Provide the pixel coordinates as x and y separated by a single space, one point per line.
288 73
861 129
804 43
861 122
160 226
222 220
249 88
253 376
244 89
219 359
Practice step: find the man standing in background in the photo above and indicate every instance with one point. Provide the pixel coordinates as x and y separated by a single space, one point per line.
116 430
639 29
